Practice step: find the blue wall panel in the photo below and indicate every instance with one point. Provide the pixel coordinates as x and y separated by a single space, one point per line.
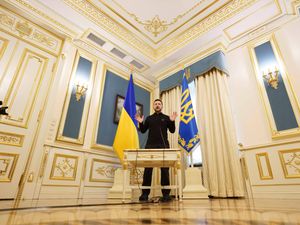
116 85
75 109
279 100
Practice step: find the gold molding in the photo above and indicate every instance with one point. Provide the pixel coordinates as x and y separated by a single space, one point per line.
103 171
247 148
263 176
3 46
295 6
289 88
161 39
23 120
15 48
164 24
86 107
29 32
78 148
15 158
244 168
65 29
11 139
257 185
89 10
85 42
204 25
64 167
254 28
293 162
190 60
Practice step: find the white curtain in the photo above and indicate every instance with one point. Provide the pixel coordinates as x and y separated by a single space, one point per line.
171 103
221 168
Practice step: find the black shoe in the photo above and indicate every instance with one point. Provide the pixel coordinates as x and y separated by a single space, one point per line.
166 198
143 198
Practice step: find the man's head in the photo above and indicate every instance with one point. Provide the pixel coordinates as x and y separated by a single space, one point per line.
157 105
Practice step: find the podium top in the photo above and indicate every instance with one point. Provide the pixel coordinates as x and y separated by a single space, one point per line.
153 149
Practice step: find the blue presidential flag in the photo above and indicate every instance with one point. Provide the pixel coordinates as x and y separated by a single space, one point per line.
188 137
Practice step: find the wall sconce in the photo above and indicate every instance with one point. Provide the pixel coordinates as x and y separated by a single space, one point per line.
80 91
272 77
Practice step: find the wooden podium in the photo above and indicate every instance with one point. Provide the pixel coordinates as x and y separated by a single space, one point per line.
154 158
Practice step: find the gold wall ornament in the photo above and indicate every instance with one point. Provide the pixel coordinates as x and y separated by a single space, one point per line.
43 39
272 77
5 163
226 11
160 23
30 177
57 24
7 20
11 139
102 170
107 171
290 162
8 164
155 26
23 28
29 32
80 91
64 167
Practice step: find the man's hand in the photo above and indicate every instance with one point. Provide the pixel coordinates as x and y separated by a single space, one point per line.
173 116
139 118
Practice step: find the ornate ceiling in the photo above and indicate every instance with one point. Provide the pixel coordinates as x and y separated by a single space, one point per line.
155 34
160 20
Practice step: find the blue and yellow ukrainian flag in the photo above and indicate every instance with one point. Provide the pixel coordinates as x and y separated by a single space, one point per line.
127 135
188 137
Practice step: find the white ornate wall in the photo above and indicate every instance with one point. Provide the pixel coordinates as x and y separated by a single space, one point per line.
271 166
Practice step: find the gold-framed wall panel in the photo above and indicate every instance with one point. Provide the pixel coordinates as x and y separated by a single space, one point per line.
275 134
122 74
294 162
54 166
11 171
13 43
11 139
83 124
111 169
30 32
17 79
263 176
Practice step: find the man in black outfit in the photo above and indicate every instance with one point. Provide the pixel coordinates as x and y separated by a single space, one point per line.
158 125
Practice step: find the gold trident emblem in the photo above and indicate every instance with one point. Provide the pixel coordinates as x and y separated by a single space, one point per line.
187 113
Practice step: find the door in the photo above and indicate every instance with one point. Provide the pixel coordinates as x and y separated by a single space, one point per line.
25 75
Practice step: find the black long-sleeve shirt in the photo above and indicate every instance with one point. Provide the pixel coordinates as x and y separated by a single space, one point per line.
158 125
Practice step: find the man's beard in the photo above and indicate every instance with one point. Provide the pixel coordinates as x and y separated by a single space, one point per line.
157 110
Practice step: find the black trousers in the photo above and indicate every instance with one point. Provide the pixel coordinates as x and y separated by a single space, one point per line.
164 180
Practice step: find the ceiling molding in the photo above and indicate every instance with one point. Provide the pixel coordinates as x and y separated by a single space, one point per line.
92 12
64 29
154 22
